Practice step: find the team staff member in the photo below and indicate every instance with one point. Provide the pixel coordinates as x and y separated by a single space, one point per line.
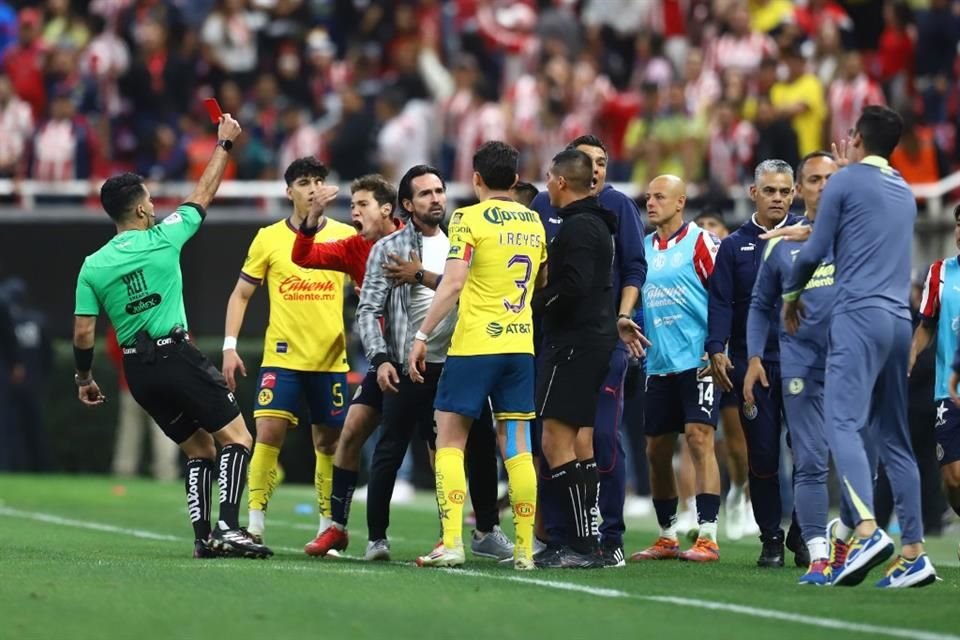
136 278
866 216
731 287
579 334
675 312
802 362
497 248
304 352
629 273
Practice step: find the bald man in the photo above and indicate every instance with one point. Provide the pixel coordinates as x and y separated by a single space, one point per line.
680 257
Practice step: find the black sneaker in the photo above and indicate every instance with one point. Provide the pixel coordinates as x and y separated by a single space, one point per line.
572 559
771 554
549 558
613 557
801 556
237 543
201 549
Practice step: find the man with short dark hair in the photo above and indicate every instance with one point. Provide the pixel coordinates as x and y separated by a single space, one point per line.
304 353
629 274
866 216
136 279
497 248
579 334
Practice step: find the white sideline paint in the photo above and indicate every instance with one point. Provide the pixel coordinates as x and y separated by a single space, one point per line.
753 612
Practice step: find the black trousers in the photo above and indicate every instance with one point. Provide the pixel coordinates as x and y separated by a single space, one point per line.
412 408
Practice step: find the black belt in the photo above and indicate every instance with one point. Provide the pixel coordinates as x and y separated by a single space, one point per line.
146 345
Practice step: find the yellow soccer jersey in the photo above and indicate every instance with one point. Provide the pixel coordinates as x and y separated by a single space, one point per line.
505 245
305 331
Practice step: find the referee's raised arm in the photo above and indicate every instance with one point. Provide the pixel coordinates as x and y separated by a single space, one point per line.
209 182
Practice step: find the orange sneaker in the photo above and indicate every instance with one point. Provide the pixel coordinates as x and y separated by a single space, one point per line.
332 539
703 550
662 549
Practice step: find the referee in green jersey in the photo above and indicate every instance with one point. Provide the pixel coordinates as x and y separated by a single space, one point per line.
136 279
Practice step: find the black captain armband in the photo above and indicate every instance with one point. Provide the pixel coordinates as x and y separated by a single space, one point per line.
83 358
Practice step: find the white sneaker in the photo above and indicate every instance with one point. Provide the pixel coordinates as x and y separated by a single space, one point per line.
378 550
750 526
403 492
736 512
638 507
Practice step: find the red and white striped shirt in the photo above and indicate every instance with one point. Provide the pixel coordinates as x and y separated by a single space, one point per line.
16 127
932 291
704 251
730 152
54 151
846 100
743 54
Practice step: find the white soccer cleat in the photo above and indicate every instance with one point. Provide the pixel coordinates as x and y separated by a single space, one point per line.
736 512
443 557
378 551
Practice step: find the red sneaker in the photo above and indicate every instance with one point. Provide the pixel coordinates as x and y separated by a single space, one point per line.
703 550
333 538
662 549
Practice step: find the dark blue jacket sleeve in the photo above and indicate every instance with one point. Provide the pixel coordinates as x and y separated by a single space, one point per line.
633 260
720 309
821 240
766 296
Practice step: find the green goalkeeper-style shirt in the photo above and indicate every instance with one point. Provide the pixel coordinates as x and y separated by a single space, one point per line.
136 277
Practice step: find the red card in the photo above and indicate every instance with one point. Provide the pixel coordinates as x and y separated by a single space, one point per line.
213 108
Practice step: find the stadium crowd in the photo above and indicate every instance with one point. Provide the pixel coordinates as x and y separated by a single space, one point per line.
703 88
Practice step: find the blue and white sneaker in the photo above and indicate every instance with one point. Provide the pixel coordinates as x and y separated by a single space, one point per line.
864 554
918 572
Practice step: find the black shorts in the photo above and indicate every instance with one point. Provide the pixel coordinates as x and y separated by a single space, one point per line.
412 406
369 392
679 399
181 390
569 381
947 428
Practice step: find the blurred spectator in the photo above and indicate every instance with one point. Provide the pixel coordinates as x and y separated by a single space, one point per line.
64 147
827 53
23 62
454 108
353 141
65 27
29 445
404 139
16 129
301 140
814 14
800 98
158 82
769 15
200 141
896 52
849 94
938 31
730 148
650 65
230 39
8 26
106 60
612 27
740 48
665 140
166 158
701 85
484 120
132 424
775 136
916 157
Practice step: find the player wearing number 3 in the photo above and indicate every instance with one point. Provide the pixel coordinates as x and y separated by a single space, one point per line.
496 250
680 257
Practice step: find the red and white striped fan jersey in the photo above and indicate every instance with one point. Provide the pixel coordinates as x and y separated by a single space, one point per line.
932 291
846 100
743 54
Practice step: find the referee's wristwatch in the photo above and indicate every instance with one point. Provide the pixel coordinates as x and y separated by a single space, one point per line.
418 276
226 144
82 382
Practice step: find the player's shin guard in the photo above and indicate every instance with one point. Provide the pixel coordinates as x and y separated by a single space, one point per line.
522 480
263 475
232 477
451 492
344 484
323 482
199 483
591 481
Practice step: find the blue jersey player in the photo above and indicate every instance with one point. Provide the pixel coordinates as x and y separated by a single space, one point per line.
802 364
940 321
731 288
866 216
675 316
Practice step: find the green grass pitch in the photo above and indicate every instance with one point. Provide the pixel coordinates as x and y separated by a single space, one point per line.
91 557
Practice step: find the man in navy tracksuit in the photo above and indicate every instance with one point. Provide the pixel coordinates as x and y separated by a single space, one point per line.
731 287
629 274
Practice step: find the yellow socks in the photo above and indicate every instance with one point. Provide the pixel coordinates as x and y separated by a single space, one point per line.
262 476
323 483
451 493
522 480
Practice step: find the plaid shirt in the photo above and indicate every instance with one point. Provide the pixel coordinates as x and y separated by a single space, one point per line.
380 299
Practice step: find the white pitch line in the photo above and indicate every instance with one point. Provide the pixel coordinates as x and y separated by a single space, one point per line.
754 612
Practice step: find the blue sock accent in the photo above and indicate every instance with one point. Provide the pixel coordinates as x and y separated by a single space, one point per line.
518 432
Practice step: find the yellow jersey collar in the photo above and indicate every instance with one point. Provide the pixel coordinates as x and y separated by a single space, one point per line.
876 161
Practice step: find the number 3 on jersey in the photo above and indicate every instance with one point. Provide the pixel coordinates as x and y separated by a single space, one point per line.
522 283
